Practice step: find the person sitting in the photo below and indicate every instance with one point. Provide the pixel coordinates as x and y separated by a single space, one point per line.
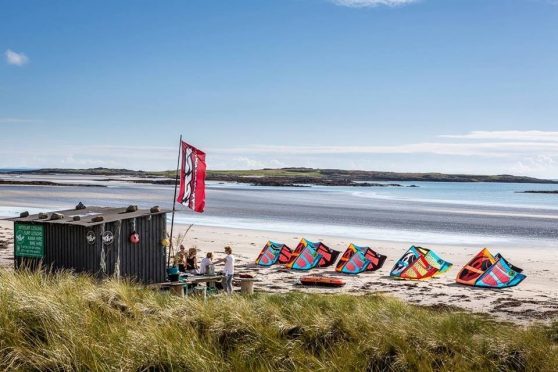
180 259
206 262
192 261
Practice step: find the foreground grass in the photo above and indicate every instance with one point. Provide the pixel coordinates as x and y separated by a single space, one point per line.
67 322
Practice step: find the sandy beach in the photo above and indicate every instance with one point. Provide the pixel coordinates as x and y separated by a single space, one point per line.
536 299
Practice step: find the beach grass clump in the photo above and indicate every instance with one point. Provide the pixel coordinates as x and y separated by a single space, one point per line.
64 321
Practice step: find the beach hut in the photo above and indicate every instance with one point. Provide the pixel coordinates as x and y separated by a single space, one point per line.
121 242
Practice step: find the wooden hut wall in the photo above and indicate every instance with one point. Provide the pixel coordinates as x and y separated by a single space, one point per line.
66 247
146 261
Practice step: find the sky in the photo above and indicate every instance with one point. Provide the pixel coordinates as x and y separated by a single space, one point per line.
455 86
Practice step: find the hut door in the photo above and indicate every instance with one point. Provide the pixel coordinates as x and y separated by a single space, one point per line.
111 247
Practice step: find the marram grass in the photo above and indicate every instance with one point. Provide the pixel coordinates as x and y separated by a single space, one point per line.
68 322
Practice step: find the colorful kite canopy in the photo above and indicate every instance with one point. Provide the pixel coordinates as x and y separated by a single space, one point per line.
274 253
309 255
486 270
419 263
357 259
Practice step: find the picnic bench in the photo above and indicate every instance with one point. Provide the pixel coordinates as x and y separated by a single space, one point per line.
182 287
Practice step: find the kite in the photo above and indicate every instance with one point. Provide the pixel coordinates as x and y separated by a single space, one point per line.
309 255
419 263
274 253
486 270
357 259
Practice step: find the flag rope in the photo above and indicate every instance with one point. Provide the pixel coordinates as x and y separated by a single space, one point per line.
171 248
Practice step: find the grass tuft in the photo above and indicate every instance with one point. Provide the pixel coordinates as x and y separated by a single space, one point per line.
63 321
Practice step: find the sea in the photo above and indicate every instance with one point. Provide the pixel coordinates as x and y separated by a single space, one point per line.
480 214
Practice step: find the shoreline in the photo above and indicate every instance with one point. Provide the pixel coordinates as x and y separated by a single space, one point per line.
536 299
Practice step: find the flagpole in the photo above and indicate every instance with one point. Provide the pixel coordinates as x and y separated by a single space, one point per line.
174 200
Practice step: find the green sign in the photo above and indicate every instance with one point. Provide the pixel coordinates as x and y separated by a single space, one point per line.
29 240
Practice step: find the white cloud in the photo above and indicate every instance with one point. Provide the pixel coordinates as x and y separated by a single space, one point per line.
16 59
259 156
487 149
470 154
134 157
371 3
538 164
394 3
244 162
15 121
514 135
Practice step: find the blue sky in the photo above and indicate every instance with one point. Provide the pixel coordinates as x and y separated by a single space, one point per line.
428 85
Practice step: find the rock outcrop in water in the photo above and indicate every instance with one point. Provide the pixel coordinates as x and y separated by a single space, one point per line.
46 183
295 177
538 192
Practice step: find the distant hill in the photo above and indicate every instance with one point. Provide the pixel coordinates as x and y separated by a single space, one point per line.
298 176
12 170
362 176
89 171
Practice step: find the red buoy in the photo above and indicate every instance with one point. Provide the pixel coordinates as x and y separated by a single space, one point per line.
134 238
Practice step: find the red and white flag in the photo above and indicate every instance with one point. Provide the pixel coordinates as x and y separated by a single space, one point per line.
192 178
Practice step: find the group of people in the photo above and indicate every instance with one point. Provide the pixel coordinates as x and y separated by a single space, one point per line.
187 262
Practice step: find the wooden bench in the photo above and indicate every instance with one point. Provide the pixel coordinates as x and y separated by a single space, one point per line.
175 288
181 288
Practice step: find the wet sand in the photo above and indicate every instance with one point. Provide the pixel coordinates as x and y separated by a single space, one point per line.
439 213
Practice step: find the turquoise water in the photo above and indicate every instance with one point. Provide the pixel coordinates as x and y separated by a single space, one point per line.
452 213
456 193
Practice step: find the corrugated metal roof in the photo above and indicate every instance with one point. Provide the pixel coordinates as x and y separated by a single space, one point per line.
87 214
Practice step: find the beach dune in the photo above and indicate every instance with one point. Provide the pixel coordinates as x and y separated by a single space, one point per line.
536 299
